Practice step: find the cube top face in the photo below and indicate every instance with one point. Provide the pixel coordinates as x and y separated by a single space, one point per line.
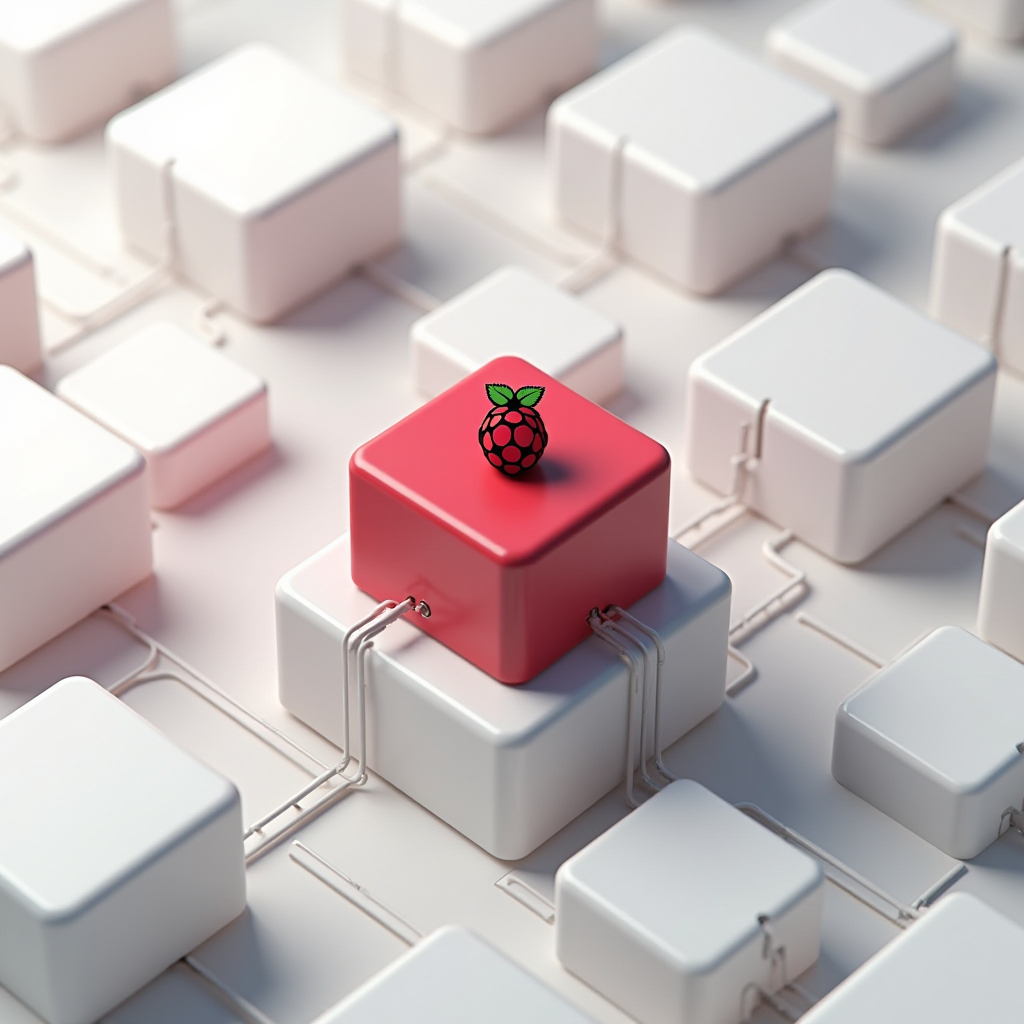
160 387
514 311
52 459
13 252
454 977
469 23
251 130
845 365
696 108
104 791
708 872
432 461
958 963
869 45
34 26
1007 532
996 209
952 706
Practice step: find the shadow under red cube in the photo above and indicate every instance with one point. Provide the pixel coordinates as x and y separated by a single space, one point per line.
510 565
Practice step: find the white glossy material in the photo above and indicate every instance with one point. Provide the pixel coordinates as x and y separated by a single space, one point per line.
67 65
1001 608
74 516
700 161
932 740
514 312
508 766
959 963
190 410
121 855
1000 19
874 413
478 66
888 65
661 913
276 183
19 315
978 266
454 977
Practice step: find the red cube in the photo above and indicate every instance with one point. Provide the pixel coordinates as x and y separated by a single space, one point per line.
510 565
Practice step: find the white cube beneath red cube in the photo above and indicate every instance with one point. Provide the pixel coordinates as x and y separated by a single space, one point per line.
510 565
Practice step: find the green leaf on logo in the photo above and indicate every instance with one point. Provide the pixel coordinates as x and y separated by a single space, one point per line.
500 394
529 396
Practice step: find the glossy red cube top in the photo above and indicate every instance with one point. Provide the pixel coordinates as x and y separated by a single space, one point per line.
510 565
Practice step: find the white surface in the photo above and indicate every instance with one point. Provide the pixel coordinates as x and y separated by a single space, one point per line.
875 414
193 413
277 183
888 66
700 161
932 741
978 266
661 913
959 963
127 852
67 65
508 766
1000 19
74 518
19 317
454 977
477 66
1001 606
515 312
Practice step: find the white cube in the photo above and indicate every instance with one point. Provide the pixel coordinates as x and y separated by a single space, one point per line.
193 413
1000 19
477 66
508 766
454 977
124 852
887 65
264 183
978 266
933 740
68 65
514 312
676 911
863 414
698 160
74 516
1001 608
19 312
958 963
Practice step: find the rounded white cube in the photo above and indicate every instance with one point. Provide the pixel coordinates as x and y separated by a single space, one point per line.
19 312
887 65
270 183
934 741
479 66
514 312
74 519
193 413
863 414
126 855
1001 608
699 161
675 912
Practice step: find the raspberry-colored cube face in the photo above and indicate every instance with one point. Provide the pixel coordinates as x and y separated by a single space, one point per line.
509 564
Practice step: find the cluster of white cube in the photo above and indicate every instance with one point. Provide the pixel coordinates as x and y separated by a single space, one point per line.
477 66
259 182
862 414
1001 608
693 159
68 65
123 853
19 312
683 910
888 65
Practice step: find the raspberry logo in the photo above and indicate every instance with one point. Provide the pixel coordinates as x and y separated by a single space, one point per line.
512 435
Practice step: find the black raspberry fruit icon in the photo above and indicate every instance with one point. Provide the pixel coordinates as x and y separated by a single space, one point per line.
512 435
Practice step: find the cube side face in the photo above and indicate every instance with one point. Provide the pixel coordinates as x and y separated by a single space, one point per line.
1000 615
894 113
19 323
1010 342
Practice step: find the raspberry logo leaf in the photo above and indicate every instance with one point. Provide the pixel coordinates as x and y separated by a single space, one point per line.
529 396
500 394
